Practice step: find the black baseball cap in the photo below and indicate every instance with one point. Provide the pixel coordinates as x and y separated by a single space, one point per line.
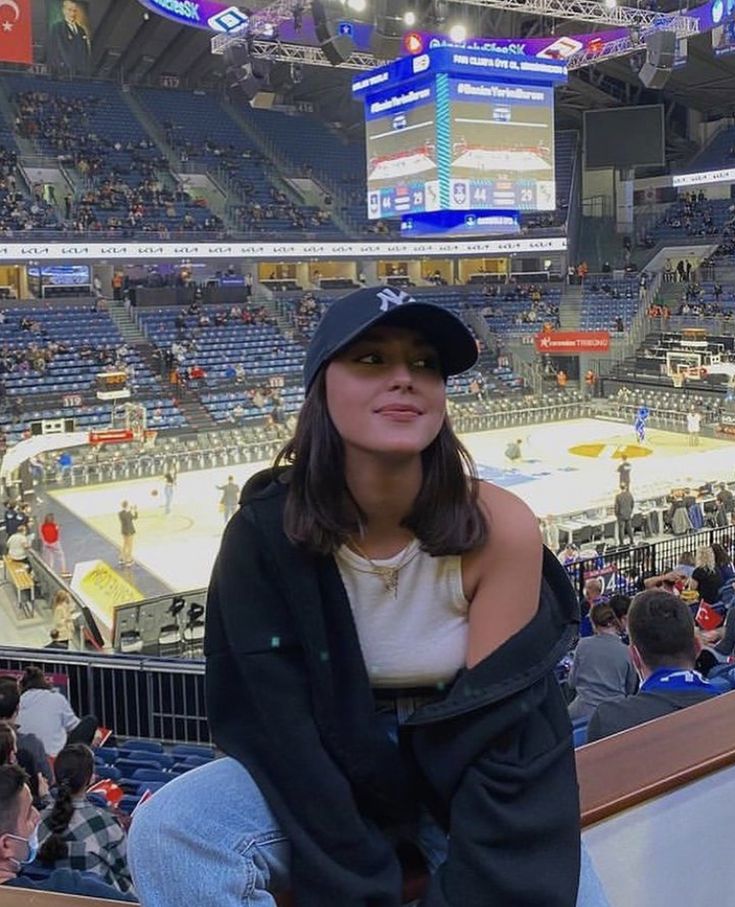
351 315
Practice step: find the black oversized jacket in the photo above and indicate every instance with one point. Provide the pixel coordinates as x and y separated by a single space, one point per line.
289 697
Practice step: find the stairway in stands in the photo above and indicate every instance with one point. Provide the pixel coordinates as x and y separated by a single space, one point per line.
570 310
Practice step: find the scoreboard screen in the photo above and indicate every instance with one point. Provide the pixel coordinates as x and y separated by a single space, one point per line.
400 141
502 153
460 130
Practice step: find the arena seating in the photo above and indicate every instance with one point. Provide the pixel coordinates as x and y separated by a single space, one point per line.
719 153
201 130
706 219
19 209
605 299
123 183
260 347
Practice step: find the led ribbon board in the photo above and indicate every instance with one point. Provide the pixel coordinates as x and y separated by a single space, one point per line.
458 130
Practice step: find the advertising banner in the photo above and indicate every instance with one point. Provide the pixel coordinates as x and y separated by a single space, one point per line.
572 343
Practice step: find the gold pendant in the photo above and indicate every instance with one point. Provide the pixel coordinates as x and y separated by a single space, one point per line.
390 579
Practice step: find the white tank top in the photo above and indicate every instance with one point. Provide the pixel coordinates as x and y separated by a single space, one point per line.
419 636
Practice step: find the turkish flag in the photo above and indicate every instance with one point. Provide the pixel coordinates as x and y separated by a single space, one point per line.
16 38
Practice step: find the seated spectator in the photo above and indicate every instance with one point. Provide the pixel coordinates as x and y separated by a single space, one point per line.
723 564
77 834
19 545
602 668
663 648
705 578
32 755
19 845
48 714
10 754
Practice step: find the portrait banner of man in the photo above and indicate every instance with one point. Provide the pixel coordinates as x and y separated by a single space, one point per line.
69 44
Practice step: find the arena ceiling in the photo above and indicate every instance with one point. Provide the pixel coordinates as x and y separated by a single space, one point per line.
140 48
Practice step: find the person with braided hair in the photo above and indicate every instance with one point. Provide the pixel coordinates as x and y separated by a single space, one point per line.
76 834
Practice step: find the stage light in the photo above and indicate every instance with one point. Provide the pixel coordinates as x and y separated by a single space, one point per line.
357 6
409 18
611 4
458 33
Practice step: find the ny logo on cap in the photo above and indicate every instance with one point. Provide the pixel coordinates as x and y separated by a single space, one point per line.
389 297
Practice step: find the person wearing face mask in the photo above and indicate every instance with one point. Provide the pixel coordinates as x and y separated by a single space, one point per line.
19 845
663 649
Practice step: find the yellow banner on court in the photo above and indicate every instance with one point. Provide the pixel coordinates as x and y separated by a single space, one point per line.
103 588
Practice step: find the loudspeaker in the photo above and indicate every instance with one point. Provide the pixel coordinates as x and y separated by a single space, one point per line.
660 54
387 35
661 49
337 48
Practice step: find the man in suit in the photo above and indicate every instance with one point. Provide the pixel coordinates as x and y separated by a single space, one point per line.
663 649
69 48
624 507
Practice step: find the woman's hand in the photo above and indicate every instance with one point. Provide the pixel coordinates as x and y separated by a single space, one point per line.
42 787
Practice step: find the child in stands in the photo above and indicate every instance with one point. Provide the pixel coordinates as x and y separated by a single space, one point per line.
382 631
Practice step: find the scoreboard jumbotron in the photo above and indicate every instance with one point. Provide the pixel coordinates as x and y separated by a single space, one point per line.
454 130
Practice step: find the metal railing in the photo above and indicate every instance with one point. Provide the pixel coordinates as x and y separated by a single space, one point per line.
163 699
631 565
135 697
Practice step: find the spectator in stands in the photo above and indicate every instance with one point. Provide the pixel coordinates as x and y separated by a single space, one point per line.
725 505
706 578
31 754
375 513
663 648
723 563
19 544
127 516
47 713
51 550
76 834
230 498
19 821
64 614
602 668
624 507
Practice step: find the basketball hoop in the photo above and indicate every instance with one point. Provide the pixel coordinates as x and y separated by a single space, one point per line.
678 379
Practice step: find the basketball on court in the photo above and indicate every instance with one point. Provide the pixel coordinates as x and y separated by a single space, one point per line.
154 493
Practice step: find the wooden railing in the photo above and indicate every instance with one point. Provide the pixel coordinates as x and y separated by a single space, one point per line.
614 774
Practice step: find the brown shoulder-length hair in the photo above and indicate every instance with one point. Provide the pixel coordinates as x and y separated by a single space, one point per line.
321 514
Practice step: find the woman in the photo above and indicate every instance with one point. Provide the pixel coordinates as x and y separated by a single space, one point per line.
47 713
723 563
602 668
705 578
51 550
76 834
63 611
10 755
372 590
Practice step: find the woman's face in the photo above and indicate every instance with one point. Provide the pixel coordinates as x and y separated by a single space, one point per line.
386 393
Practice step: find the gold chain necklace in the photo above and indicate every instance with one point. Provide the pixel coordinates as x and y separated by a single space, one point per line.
388 575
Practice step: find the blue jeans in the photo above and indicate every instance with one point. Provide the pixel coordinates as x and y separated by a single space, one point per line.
209 837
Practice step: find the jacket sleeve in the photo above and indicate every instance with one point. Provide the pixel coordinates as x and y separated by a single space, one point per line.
514 833
260 713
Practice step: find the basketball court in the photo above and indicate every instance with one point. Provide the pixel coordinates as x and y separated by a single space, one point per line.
565 466
402 165
486 159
